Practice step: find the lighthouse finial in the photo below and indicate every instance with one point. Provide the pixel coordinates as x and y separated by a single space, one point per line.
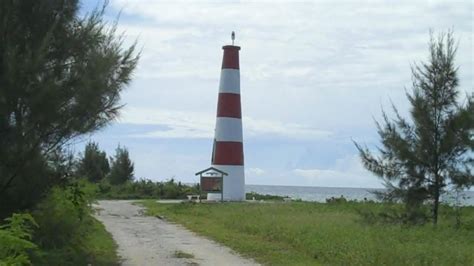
233 37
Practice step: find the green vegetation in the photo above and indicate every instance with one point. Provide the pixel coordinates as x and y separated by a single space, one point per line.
116 181
256 196
15 239
183 255
59 231
122 167
170 189
145 189
93 163
67 233
303 233
97 248
101 248
423 157
61 75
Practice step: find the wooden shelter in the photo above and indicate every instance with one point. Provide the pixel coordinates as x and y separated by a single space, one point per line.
212 181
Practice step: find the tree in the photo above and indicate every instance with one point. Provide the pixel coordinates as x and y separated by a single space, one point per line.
60 77
420 158
93 164
122 167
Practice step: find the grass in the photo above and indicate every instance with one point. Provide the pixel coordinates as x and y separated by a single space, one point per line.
303 233
183 255
102 248
99 248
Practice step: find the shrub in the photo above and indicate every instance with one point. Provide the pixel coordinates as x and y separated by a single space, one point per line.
15 240
63 216
67 233
146 189
254 195
335 200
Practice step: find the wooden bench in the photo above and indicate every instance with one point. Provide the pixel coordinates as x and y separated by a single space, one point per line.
194 197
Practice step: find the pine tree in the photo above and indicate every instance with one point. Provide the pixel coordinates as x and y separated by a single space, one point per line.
93 164
122 167
61 75
421 157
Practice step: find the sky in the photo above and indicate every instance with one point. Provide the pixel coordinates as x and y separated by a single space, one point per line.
314 77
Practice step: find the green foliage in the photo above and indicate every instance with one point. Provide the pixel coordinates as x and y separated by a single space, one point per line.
306 233
67 233
98 248
28 187
336 200
93 164
146 189
122 167
343 200
63 215
15 239
393 214
256 196
420 158
172 190
183 255
61 76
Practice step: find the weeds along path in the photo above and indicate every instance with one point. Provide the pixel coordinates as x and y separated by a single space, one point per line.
144 240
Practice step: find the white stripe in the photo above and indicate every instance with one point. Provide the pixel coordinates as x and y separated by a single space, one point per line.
230 81
234 182
228 129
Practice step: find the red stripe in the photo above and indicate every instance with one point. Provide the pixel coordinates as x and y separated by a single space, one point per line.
228 105
231 57
228 153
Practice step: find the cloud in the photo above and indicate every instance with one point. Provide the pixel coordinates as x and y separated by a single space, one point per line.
255 171
320 64
256 127
178 124
348 172
192 125
313 76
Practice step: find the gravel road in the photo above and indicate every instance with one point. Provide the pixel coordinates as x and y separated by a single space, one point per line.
145 240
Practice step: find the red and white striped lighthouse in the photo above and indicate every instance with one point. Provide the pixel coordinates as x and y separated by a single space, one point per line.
228 151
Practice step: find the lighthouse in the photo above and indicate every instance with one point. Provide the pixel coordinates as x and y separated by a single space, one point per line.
228 148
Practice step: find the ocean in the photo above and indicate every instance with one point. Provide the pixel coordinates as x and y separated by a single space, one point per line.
320 194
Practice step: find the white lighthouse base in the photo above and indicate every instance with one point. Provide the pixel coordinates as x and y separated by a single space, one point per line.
214 196
234 182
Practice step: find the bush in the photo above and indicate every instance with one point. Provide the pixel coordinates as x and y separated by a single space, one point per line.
254 195
15 240
335 200
67 233
146 189
62 216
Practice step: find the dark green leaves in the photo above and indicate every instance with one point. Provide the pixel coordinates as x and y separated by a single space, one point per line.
433 151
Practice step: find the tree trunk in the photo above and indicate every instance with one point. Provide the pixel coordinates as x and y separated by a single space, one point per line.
436 201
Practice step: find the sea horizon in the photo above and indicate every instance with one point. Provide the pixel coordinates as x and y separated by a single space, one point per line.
320 194
312 186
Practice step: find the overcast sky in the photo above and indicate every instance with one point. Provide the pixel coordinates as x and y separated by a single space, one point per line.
314 75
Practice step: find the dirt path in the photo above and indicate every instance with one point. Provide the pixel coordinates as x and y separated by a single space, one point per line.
145 240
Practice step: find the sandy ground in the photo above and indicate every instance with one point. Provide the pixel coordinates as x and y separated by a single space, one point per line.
145 240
